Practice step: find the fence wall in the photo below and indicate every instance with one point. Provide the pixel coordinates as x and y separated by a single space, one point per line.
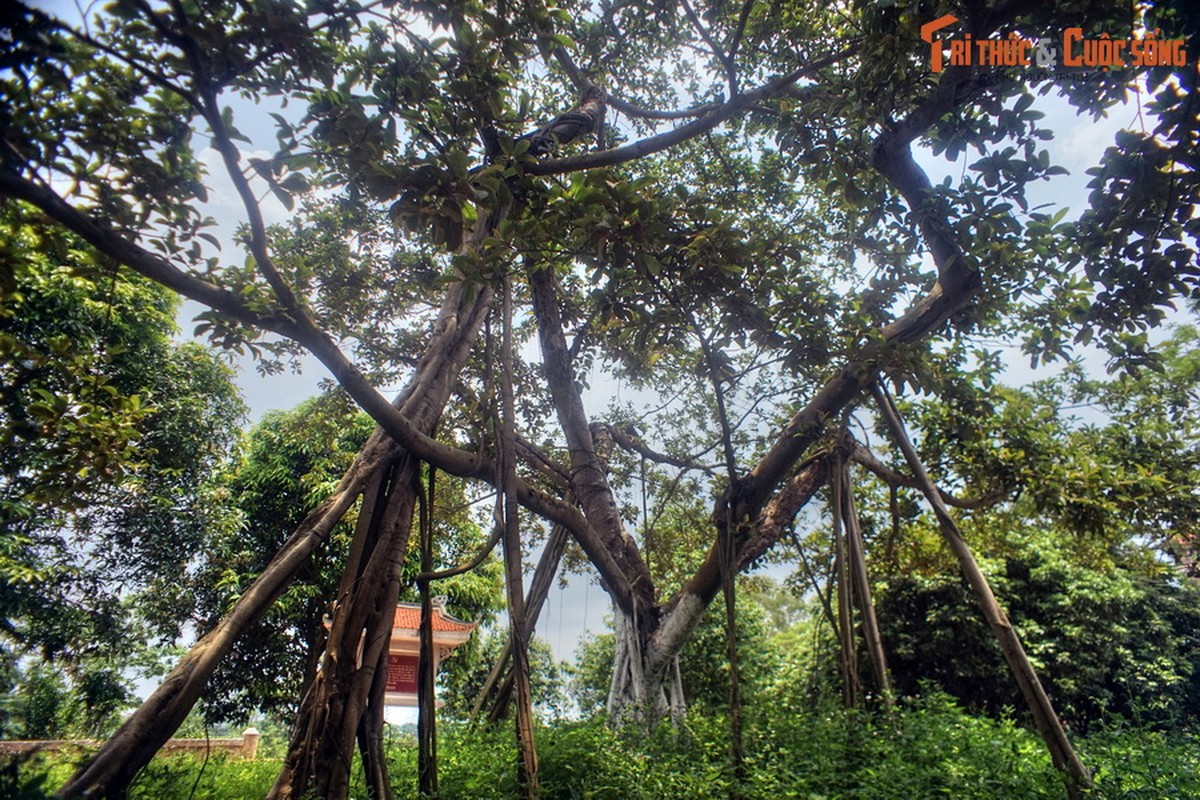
246 747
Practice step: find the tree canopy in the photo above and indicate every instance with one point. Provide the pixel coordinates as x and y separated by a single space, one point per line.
114 440
723 205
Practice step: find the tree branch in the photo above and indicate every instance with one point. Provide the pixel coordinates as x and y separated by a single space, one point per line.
135 257
863 456
628 439
583 84
655 144
258 230
725 59
588 480
957 281
1048 722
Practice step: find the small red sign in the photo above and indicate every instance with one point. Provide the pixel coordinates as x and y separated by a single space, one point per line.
401 673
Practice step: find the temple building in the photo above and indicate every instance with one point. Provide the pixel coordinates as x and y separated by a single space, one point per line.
448 633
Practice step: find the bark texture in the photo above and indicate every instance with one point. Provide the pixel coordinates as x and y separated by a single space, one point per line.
860 580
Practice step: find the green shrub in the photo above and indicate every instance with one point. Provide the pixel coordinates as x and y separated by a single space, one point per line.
217 778
927 748
1132 763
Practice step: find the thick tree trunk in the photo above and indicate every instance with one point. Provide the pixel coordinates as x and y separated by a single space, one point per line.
589 482
154 722
636 695
321 752
370 736
124 754
1065 759
646 682
322 746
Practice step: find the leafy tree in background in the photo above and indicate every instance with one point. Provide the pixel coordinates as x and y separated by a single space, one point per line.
754 241
287 462
1095 552
113 436
1111 642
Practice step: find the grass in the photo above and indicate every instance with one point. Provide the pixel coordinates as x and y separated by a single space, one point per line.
927 749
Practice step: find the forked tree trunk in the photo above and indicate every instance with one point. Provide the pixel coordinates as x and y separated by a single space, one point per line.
126 752
322 747
321 751
499 684
646 686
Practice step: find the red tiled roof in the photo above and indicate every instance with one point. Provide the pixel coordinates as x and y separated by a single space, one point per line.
408 615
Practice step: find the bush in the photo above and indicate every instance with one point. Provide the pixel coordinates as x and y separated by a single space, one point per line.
1133 763
219 778
1105 641
929 747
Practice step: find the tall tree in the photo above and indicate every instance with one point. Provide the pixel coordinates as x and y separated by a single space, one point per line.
115 437
716 251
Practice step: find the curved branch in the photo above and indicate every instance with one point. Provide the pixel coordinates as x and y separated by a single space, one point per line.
863 456
725 58
583 84
484 552
258 229
142 261
957 282
662 141
629 440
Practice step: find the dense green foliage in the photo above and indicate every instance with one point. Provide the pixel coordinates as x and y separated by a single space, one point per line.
1091 555
112 437
758 261
1109 643
929 748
